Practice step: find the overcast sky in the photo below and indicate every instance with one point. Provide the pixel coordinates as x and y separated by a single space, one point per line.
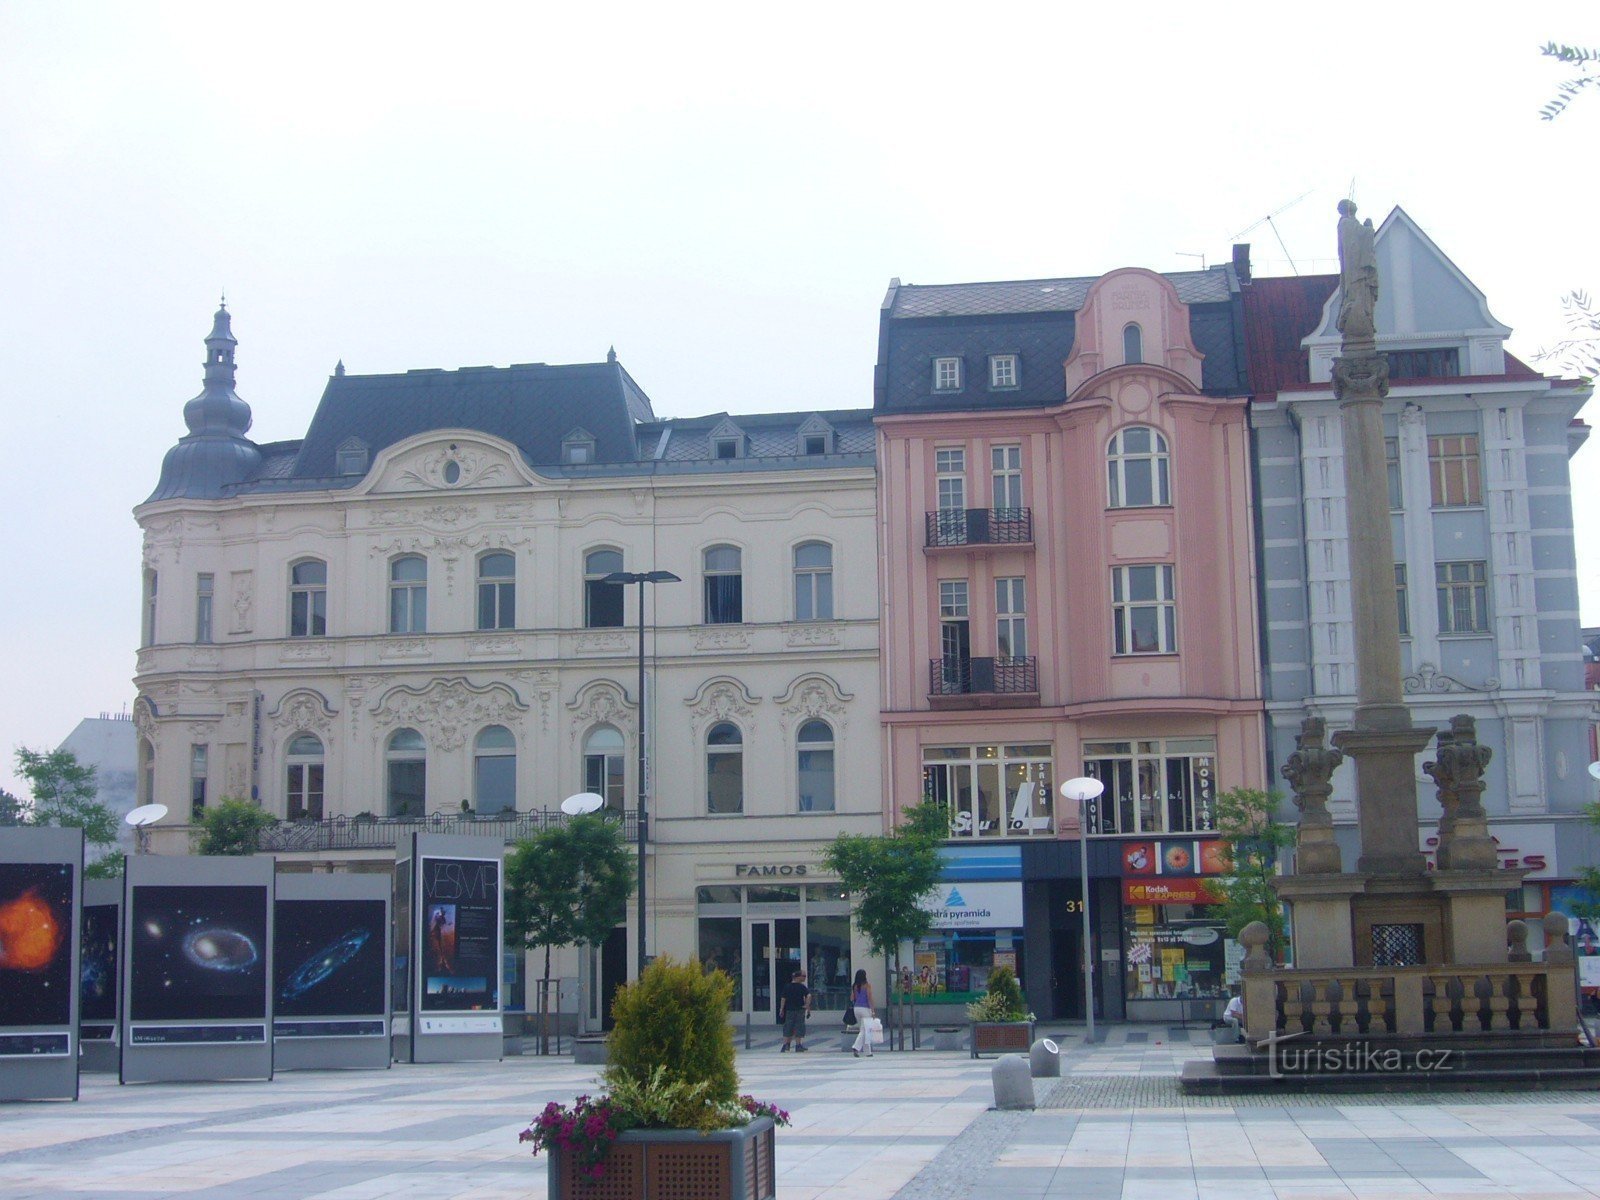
720 192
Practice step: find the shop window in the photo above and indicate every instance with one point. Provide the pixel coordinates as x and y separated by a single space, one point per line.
955 963
724 769
992 791
406 769
602 767
304 782
1177 951
1159 786
814 767
722 949
494 771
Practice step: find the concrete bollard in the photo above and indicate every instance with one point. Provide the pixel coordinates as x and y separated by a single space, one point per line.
1013 1085
1045 1059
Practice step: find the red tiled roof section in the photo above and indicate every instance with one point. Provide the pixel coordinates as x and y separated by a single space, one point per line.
1278 313
1515 366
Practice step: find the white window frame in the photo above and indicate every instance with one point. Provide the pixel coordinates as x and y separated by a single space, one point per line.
311 596
1118 459
721 750
1002 371
1452 580
199 773
1020 781
393 755
205 585
1005 470
147 630
1011 617
299 793
1124 608
806 802
499 590
408 597
1146 812
1455 468
947 374
813 584
481 752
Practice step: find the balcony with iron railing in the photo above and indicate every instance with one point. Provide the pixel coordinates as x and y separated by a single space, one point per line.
958 528
983 682
384 833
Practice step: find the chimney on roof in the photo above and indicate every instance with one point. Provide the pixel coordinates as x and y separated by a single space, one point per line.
1241 261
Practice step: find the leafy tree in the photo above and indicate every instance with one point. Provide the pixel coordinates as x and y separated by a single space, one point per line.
889 875
567 885
232 827
12 810
1588 878
1579 352
1247 821
66 796
1576 56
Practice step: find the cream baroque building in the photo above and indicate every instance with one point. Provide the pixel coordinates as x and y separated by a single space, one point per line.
400 621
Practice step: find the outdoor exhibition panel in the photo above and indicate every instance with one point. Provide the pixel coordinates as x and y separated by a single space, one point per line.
330 946
41 893
99 974
197 968
448 934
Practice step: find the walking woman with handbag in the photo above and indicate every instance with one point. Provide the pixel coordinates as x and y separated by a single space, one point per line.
861 1001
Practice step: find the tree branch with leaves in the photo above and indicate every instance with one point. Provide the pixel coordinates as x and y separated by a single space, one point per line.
67 795
1247 820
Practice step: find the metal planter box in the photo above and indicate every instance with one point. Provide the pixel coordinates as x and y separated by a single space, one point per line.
657 1164
1001 1037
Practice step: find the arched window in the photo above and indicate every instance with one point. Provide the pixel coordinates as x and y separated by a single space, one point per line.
724 586
1132 344
408 594
406 769
602 601
813 582
494 771
815 767
1136 468
308 598
303 786
147 771
724 769
603 766
497 591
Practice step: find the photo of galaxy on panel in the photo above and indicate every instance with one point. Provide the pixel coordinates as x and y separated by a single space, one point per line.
198 953
328 958
97 964
460 934
35 944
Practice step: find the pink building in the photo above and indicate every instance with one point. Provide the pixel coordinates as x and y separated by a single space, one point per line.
1069 588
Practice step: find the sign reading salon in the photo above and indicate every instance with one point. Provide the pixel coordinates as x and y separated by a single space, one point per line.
975 905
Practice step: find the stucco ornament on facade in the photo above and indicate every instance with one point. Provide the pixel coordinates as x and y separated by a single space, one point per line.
601 643
144 718
477 468
447 711
600 702
1427 678
723 700
811 697
303 710
242 600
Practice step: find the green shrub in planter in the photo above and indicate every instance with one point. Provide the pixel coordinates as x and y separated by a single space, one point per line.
671 1039
1004 1001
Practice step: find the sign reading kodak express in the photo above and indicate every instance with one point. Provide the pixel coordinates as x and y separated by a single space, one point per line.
1167 891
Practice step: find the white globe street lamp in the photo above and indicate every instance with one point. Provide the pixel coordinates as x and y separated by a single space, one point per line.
1081 793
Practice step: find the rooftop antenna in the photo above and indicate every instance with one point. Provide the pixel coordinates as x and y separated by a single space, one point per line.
1191 254
1268 220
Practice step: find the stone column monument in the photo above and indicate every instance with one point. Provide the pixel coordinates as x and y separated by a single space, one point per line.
1389 911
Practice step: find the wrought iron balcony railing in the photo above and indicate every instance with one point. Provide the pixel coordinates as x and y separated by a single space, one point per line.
983 676
383 833
980 527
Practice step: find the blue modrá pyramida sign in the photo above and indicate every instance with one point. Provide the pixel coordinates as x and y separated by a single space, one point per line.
977 905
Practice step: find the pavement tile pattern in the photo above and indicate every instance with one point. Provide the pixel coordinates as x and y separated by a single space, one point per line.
912 1125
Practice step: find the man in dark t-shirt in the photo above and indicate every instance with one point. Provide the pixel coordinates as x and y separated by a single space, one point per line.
794 1006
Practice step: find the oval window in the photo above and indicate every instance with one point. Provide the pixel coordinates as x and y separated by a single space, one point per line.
452 472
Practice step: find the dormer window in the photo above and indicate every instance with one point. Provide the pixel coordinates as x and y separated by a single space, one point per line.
1436 363
1002 370
815 443
947 374
727 448
578 447
351 458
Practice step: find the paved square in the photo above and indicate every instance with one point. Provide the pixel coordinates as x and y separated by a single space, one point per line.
1114 1127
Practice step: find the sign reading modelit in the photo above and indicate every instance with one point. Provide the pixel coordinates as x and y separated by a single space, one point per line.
975 905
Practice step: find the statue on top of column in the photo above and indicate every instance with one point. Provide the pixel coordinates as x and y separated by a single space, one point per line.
1358 275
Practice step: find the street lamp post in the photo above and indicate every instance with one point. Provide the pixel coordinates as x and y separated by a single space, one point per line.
641 578
1084 791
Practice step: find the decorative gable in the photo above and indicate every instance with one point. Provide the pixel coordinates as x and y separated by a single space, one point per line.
1132 316
1424 303
815 436
457 460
